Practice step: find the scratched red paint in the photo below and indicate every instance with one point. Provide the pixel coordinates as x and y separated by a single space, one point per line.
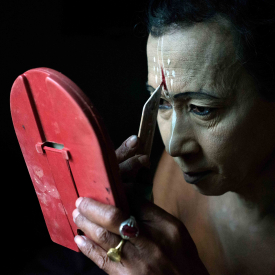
163 80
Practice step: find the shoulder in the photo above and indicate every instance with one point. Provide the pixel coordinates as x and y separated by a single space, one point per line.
180 199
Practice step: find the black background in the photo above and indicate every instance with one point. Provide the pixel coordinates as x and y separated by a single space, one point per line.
99 45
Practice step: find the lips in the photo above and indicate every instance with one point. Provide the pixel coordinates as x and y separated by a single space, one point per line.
194 177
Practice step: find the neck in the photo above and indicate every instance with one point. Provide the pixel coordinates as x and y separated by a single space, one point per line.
259 195
259 200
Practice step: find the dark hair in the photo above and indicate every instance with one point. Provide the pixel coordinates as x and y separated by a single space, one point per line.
253 22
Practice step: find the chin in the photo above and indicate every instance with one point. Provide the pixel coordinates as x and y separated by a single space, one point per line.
209 192
211 187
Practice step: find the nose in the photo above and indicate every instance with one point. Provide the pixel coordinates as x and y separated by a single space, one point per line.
183 140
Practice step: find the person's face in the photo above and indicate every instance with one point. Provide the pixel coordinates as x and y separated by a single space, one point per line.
212 120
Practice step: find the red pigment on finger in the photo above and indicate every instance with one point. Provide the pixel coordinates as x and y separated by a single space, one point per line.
163 80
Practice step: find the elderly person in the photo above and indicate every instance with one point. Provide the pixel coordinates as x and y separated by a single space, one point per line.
214 190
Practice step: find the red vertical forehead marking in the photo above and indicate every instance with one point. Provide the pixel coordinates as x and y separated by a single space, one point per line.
163 80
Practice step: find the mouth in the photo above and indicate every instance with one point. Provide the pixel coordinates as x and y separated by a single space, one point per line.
193 177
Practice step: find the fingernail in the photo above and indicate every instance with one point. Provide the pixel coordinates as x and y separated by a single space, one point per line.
79 240
144 160
75 214
131 142
78 201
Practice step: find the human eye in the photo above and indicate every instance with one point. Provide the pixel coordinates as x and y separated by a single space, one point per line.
164 104
201 111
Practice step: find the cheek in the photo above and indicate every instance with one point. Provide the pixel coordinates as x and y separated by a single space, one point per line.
222 147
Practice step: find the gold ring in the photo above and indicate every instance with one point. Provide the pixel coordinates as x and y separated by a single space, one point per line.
114 254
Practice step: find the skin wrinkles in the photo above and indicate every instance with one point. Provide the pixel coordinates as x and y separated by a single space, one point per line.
207 100
204 59
236 142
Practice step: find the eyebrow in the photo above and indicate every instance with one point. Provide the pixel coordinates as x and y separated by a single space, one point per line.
201 94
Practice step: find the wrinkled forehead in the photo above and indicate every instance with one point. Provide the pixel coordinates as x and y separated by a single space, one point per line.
205 40
200 49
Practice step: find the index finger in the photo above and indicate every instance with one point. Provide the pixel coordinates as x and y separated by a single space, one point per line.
127 149
106 216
